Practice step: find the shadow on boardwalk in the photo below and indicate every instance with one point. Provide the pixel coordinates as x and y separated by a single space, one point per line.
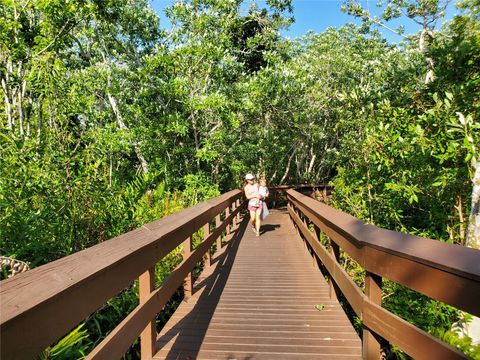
188 333
268 227
260 301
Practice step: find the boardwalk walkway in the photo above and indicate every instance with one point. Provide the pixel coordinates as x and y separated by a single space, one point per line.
257 301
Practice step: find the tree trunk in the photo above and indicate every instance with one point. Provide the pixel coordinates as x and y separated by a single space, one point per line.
473 233
312 162
425 36
472 329
195 138
40 117
8 104
122 126
461 218
287 169
20 113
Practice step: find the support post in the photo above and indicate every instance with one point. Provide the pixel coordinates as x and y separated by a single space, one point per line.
316 236
227 214
148 337
289 206
234 220
299 232
206 233
237 204
188 282
371 343
335 250
218 222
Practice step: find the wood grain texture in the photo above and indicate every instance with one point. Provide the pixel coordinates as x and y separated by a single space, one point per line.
413 261
414 341
258 302
57 296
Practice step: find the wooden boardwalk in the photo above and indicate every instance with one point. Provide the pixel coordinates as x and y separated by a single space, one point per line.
257 301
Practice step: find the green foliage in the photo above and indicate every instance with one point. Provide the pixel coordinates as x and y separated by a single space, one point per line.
425 313
72 346
108 122
198 188
464 344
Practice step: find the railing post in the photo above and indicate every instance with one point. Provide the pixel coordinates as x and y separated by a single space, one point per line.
148 337
218 222
234 220
206 233
316 236
227 214
373 290
188 283
297 210
335 249
237 205
292 207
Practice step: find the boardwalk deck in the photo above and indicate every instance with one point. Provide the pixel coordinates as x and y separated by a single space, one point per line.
258 302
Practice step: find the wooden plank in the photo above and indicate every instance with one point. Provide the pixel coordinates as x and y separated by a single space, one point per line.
458 266
459 293
351 291
412 340
259 348
371 341
57 290
257 340
353 249
252 304
149 334
188 283
222 355
275 334
120 339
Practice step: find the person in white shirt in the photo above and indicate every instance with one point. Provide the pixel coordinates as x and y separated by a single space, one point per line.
255 203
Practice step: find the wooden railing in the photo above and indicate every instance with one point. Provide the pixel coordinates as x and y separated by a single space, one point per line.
41 305
278 194
445 272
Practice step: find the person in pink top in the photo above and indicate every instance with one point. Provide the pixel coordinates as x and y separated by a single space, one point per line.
255 203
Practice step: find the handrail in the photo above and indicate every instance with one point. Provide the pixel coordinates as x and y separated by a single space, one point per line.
41 305
278 193
450 273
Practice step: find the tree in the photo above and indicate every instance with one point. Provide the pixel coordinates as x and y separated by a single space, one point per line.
425 13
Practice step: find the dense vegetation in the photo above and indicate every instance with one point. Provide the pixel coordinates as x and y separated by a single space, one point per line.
108 121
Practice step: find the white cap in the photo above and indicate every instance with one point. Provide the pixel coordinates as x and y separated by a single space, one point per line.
249 177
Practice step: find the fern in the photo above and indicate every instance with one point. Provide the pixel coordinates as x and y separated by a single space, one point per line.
72 346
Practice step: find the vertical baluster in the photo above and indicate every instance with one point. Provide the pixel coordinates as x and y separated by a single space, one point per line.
237 204
316 236
234 220
148 337
294 210
227 214
335 250
373 290
290 206
188 283
299 232
307 245
218 222
206 233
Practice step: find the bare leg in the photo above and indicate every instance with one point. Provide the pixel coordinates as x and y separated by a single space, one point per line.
257 220
252 218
